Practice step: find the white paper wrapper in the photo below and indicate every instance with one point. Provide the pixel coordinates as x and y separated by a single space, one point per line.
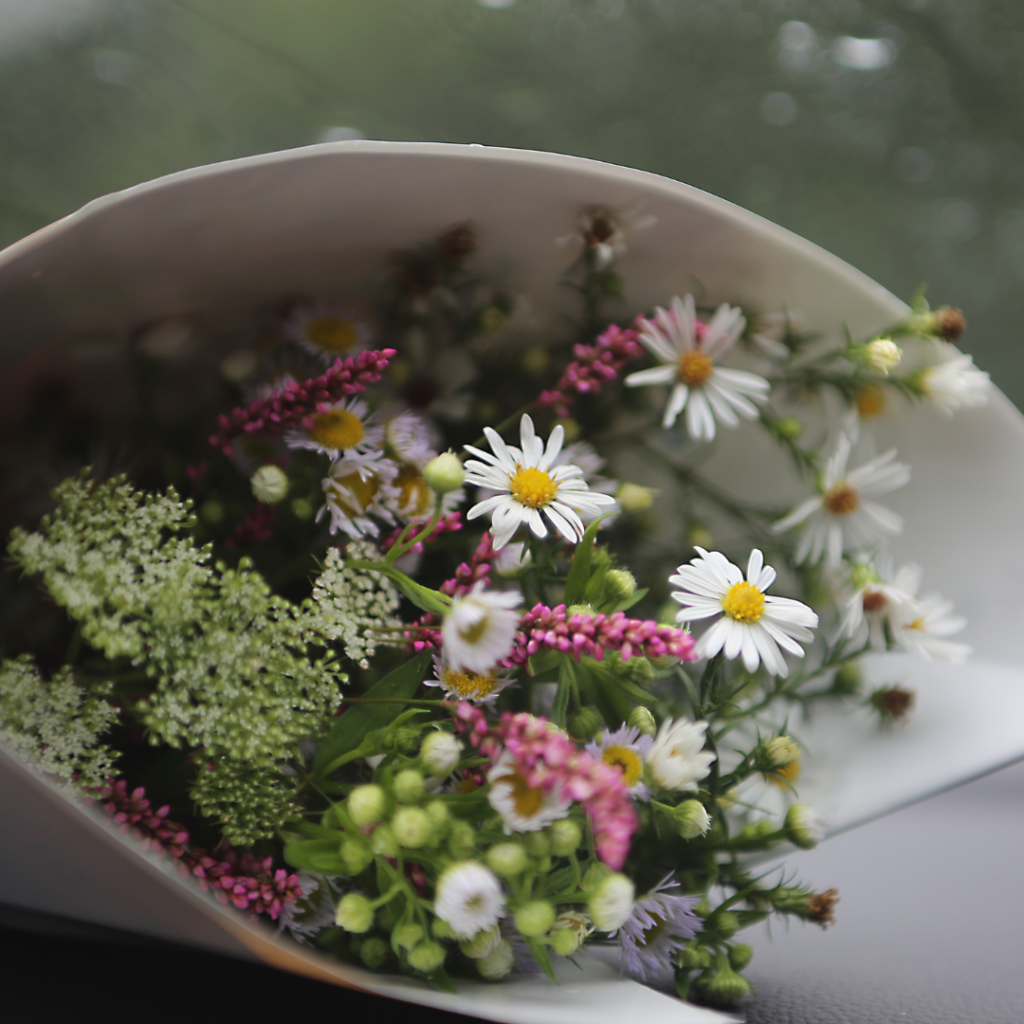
219 240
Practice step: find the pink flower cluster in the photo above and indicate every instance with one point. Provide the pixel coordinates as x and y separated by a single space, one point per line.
256 528
548 759
553 629
594 366
246 882
294 404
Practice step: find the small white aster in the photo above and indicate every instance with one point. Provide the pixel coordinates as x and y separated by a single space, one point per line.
921 625
355 489
626 750
872 599
478 687
839 518
658 928
752 625
414 499
480 629
767 331
327 331
522 807
954 383
407 437
526 482
689 351
345 427
469 898
677 758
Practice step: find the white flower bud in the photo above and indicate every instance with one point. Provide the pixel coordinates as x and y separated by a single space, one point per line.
444 473
481 944
642 719
498 962
355 914
427 957
611 903
780 751
692 819
883 354
533 919
804 827
440 753
366 804
507 859
412 827
269 485
408 786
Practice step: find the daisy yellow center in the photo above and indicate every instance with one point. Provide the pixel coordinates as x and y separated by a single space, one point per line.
467 784
870 402
364 491
650 934
472 633
627 761
337 429
532 487
468 684
414 494
841 500
743 602
917 624
526 800
785 776
331 333
694 368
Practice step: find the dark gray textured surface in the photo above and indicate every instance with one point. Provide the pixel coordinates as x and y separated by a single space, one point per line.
929 925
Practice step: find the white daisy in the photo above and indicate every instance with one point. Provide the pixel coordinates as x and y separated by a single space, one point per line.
522 807
604 231
355 489
527 482
954 382
469 898
326 331
839 519
414 498
347 426
407 437
479 687
920 625
689 351
753 626
677 759
625 749
658 928
480 629
873 598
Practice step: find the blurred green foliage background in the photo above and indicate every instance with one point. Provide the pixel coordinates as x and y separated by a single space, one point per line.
888 132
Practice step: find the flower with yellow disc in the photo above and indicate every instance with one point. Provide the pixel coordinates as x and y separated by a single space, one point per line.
345 428
326 331
624 750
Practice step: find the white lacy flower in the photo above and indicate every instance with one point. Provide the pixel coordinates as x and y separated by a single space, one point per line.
469 898
478 687
677 759
327 331
480 629
657 929
955 382
356 488
625 750
347 427
839 518
752 625
522 807
526 482
689 351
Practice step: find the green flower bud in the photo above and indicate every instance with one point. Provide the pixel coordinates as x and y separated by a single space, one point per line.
694 957
740 955
634 497
642 719
722 986
408 786
412 827
507 860
366 804
383 841
437 812
498 963
481 944
356 854
619 585
723 923
778 752
638 670
691 818
405 936
461 839
269 485
354 913
804 827
565 837
440 753
444 473
563 942
789 428
427 957
583 724
374 952
611 903
442 929
406 739
302 508
535 918
538 844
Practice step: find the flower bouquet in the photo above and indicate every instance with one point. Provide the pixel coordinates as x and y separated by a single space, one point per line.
502 604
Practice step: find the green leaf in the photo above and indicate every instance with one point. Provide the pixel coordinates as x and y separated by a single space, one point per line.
579 571
352 727
544 662
540 954
634 598
318 856
440 980
638 694
561 704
